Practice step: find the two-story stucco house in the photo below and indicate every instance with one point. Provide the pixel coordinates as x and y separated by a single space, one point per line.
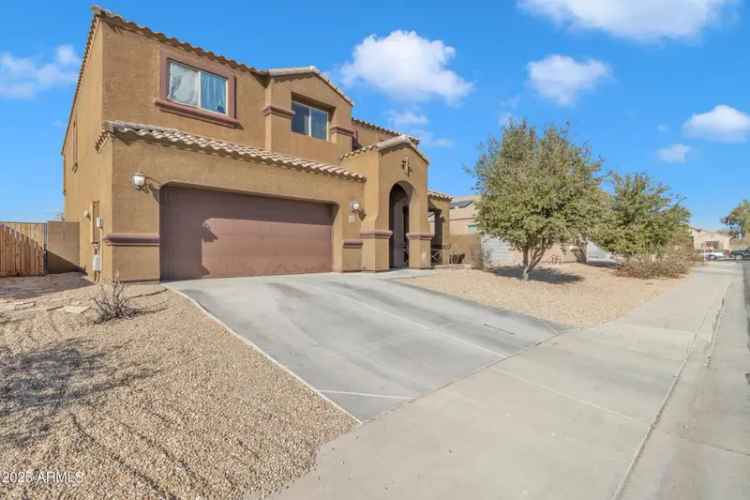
180 163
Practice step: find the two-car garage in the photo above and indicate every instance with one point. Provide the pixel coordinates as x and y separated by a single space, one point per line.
213 234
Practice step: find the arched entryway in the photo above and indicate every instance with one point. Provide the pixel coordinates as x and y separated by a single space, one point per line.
398 224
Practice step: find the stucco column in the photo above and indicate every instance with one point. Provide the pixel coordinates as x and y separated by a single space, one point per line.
419 250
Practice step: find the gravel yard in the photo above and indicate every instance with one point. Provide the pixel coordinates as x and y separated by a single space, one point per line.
573 294
167 404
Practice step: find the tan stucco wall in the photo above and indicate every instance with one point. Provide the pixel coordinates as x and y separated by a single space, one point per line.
314 91
132 71
122 81
137 212
63 247
91 181
384 170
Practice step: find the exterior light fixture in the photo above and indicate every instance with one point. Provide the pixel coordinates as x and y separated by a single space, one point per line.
138 180
355 206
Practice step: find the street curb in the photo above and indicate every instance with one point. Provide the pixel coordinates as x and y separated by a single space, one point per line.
657 418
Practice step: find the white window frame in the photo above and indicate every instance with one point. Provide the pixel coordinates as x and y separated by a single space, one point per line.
200 87
309 120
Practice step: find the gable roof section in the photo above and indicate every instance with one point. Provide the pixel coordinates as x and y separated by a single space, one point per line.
172 136
382 129
308 70
110 16
389 144
440 196
100 13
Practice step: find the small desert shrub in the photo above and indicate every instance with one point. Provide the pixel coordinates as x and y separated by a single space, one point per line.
112 302
676 262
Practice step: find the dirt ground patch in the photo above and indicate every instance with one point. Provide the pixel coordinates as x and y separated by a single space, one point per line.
167 404
573 294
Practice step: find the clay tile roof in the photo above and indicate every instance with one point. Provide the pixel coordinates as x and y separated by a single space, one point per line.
439 195
387 144
381 129
181 138
100 13
145 30
309 70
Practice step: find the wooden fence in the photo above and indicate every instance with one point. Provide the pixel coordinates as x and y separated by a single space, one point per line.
23 248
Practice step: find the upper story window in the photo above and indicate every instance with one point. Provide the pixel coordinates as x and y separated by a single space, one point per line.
309 120
198 88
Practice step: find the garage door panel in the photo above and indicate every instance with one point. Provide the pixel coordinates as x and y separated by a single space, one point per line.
216 234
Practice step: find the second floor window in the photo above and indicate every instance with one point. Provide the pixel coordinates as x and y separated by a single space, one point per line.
197 88
310 121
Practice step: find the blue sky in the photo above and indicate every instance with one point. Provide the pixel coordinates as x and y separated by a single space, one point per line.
660 87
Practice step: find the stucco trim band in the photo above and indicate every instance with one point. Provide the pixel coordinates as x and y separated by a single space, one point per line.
353 243
342 130
132 240
376 234
419 236
200 114
278 111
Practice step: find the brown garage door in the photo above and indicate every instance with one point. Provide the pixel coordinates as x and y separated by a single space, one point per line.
212 234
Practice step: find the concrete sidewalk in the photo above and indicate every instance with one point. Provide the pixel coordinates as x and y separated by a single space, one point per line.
576 417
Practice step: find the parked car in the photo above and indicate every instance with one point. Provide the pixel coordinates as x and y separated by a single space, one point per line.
740 254
714 255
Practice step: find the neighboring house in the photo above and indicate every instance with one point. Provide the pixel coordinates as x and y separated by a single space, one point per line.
180 163
492 252
463 211
704 239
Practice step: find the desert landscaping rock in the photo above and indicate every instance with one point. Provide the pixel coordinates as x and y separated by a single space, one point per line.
167 404
75 309
572 294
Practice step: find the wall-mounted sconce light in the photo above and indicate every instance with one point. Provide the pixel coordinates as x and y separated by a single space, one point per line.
355 206
138 180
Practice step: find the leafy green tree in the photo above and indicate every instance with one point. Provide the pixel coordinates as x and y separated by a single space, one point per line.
536 191
642 219
738 220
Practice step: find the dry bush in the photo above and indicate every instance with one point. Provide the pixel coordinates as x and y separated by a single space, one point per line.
677 261
112 302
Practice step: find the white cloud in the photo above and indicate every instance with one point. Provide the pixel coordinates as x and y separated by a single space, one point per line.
23 78
722 124
66 56
662 128
406 118
406 66
511 102
676 153
561 78
641 20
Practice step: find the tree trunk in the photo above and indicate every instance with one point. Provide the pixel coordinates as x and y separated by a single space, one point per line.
525 273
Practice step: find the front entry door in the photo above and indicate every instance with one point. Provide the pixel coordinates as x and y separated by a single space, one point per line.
399 226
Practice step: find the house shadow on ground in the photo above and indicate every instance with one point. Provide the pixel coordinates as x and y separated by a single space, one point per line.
543 274
31 287
38 387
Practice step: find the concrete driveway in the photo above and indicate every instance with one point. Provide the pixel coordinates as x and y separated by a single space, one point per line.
367 342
